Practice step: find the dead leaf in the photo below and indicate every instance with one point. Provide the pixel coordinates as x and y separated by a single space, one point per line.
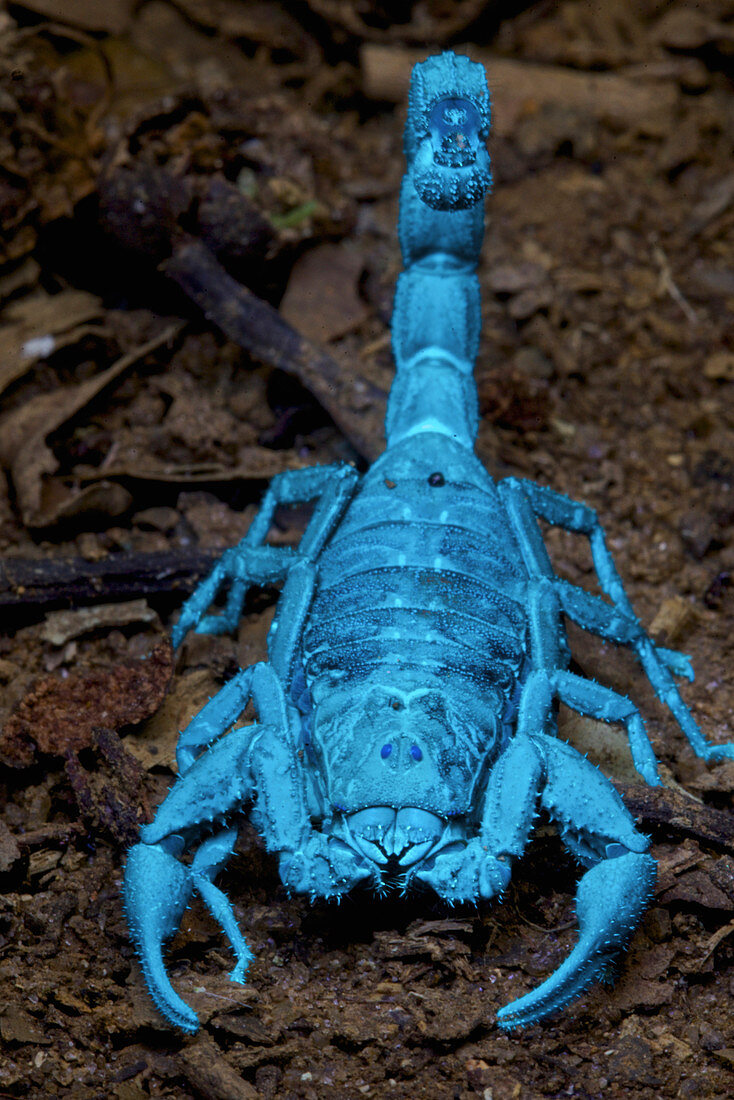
322 297
32 327
254 20
606 746
673 621
23 447
356 405
720 366
256 464
61 626
23 277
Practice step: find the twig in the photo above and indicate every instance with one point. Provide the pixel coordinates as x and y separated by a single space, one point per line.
55 833
45 582
669 286
258 328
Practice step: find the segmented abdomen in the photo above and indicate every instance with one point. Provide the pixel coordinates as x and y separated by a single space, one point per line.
420 576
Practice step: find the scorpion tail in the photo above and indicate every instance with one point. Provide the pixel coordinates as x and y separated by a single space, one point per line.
446 130
610 900
157 889
437 312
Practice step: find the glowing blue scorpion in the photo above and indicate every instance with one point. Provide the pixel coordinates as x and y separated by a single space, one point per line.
405 731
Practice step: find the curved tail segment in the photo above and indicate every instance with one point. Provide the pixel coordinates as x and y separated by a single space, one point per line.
437 314
610 900
157 890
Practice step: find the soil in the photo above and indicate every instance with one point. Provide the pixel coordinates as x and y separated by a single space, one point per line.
196 273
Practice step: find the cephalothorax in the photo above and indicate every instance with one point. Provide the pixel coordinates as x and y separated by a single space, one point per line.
405 728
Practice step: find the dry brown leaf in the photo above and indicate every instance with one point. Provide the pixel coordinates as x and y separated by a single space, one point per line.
32 326
720 366
322 298
24 451
255 20
61 626
21 278
606 746
260 464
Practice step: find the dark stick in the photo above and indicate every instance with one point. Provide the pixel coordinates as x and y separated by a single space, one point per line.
258 328
72 581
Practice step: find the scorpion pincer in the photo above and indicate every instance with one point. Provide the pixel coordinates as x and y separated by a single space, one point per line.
405 731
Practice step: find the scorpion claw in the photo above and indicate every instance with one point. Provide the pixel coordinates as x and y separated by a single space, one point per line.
157 889
466 873
324 867
609 902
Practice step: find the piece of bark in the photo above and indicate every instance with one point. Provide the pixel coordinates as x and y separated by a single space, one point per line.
258 328
61 626
60 715
109 793
205 1068
51 582
57 832
665 807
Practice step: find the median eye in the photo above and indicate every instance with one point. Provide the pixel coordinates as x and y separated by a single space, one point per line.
416 752
385 751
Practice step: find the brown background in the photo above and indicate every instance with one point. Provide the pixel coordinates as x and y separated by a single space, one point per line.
170 174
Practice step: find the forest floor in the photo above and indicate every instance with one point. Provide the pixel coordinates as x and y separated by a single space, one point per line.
197 265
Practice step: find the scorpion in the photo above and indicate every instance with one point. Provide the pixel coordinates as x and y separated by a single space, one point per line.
405 731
